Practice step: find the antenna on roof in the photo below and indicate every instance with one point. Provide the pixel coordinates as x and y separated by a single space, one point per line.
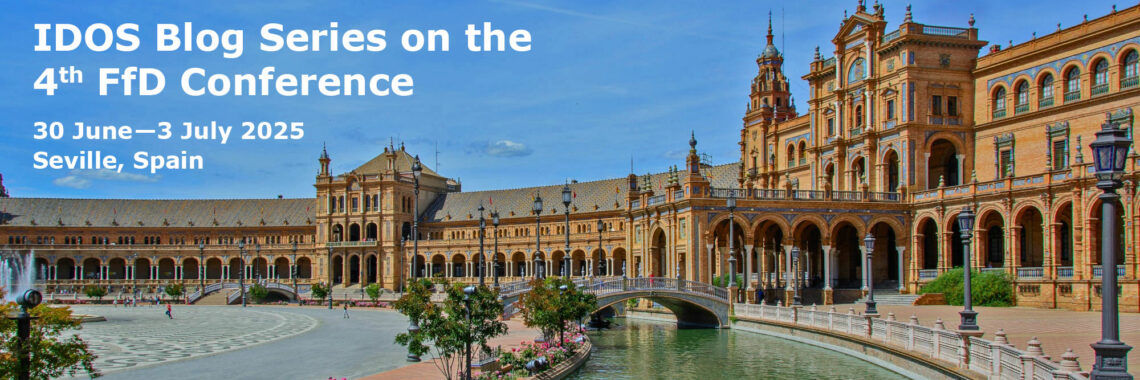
437 156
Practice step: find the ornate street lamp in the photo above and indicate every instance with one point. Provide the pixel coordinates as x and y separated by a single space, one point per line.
796 299
413 329
869 244
201 265
965 228
241 280
293 273
257 247
566 198
1110 152
537 208
482 256
561 322
731 241
601 227
417 170
467 292
134 282
495 253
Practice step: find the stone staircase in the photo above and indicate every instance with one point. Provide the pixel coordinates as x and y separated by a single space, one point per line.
891 297
215 298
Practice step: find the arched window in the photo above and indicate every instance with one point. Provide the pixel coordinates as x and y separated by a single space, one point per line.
999 102
858 116
803 152
1046 91
1022 97
791 156
1073 84
1131 70
1100 77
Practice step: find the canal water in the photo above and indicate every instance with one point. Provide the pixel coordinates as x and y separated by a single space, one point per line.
640 349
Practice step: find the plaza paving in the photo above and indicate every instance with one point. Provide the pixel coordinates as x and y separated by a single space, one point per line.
255 343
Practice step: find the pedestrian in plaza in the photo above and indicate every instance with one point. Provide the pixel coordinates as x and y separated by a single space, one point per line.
168 312
346 310
759 295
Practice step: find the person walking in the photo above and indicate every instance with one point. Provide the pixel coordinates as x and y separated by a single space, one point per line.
345 310
168 315
760 295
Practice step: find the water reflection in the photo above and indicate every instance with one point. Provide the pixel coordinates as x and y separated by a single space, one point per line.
652 350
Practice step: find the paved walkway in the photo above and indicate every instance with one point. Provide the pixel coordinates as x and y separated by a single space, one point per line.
231 342
426 370
1057 330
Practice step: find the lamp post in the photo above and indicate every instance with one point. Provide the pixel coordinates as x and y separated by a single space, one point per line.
201 265
1110 152
467 292
241 280
330 289
29 299
257 248
561 322
731 241
134 284
417 170
601 227
495 252
566 198
969 317
537 208
293 273
482 255
796 299
869 243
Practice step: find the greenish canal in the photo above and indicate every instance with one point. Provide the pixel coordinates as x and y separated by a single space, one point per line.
640 349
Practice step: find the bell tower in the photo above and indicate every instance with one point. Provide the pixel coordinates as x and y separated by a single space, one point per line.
324 162
771 95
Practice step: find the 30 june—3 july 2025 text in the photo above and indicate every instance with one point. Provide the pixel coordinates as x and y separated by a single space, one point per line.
150 161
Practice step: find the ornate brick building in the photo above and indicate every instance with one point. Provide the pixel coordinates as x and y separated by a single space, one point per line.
905 126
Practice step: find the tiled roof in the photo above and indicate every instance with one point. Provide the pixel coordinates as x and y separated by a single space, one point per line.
157 212
379 164
607 195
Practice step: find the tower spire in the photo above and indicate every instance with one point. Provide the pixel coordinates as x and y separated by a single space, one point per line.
769 27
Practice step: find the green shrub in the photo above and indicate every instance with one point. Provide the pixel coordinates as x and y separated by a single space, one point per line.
987 289
722 280
258 292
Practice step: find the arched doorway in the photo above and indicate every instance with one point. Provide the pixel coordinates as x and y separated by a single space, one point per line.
166 269
885 257
371 232
1095 235
657 248
993 240
354 269
458 266
91 269
1063 235
858 173
1031 239
235 268
190 269
929 243
518 264
354 232
65 269
304 268
891 177
943 163
142 269
848 257
213 268
619 262
556 261
337 269
260 269
578 260
281 268
116 270
372 269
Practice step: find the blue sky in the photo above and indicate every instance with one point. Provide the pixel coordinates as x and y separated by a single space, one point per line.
604 82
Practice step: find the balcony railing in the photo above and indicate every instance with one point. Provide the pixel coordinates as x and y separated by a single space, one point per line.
1100 89
370 243
842 195
945 31
1021 108
655 200
999 113
809 194
1130 82
1072 95
936 120
884 197
1030 272
953 120
1045 102
891 36
1064 272
1098 271
991 270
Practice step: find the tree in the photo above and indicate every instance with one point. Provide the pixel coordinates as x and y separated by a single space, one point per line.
319 291
96 292
258 292
548 308
374 291
448 329
53 354
175 291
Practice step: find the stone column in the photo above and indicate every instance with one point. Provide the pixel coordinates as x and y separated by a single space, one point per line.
961 168
788 271
748 269
945 262
863 257
226 272
78 275
902 269
1013 260
130 272
710 261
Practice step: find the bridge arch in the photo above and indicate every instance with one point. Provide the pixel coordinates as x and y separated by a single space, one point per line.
689 312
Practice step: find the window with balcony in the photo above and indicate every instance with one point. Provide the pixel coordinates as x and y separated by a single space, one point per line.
1073 84
831 127
1100 77
1022 99
936 105
1045 92
999 103
952 106
891 109
1130 70
1005 163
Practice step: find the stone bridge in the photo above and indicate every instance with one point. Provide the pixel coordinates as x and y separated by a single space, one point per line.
695 304
272 287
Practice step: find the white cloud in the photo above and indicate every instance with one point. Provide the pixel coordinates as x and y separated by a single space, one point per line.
507 148
73 182
111 175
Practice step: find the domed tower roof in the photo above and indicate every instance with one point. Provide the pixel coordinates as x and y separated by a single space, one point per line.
770 50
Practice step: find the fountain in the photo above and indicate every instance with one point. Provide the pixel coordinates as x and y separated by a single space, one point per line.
17 273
